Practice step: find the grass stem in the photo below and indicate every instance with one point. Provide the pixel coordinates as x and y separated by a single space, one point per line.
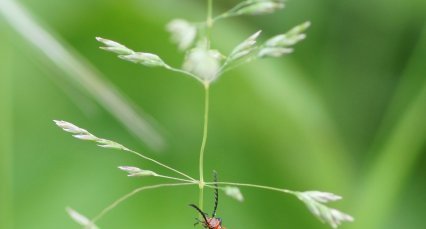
132 193
203 144
254 186
160 164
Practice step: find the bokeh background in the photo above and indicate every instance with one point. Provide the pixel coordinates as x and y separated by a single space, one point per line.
345 113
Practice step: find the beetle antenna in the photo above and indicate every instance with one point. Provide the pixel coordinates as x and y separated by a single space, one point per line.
216 194
201 212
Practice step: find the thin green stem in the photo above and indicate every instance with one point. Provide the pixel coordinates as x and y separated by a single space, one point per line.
111 144
132 193
184 72
160 164
177 179
254 186
201 197
203 144
209 23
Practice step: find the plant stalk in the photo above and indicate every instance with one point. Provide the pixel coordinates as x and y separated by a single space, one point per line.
201 184
203 145
132 193
159 163
254 186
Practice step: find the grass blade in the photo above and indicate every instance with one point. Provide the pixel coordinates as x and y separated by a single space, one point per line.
81 73
405 133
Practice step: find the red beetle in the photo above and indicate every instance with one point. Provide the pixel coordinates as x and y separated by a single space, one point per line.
211 222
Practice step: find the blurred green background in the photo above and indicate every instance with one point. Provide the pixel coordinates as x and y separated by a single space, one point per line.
345 113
